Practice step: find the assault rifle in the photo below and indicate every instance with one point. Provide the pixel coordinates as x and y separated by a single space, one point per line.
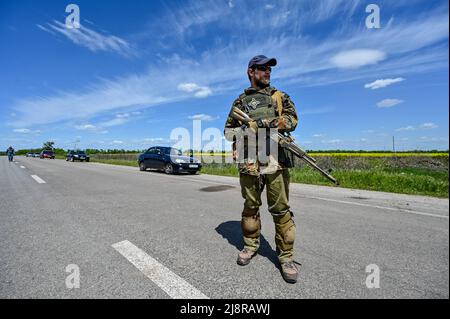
288 143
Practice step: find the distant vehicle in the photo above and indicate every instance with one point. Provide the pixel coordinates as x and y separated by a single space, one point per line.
81 156
168 159
36 155
47 154
29 155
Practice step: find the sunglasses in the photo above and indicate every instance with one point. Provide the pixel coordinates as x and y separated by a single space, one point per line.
263 68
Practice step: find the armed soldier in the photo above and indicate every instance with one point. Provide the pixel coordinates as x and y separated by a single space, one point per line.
269 109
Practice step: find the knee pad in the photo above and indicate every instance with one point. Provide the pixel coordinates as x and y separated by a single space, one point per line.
285 228
289 233
251 225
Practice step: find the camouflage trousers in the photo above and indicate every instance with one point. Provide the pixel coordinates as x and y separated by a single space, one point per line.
277 188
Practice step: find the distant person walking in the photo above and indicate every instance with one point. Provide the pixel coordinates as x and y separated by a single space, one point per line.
10 153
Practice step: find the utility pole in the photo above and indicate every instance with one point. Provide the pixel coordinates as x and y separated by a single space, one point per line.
393 149
393 144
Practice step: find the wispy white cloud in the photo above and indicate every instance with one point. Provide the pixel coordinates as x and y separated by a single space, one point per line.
122 115
153 139
100 127
203 117
424 126
382 83
354 59
45 29
90 39
219 67
199 91
91 128
433 139
85 127
188 87
21 130
113 122
139 143
25 131
406 128
428 126
389 103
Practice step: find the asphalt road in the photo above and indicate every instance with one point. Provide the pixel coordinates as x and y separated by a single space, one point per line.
139 234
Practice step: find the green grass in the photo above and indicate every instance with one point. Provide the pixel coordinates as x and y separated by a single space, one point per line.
107 161
223 170
406 181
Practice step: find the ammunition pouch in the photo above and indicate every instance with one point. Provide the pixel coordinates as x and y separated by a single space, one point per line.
285 157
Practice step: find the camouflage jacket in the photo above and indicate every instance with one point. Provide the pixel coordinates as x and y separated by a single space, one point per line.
288 120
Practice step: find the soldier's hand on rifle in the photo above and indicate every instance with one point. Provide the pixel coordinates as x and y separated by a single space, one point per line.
253 125
264 123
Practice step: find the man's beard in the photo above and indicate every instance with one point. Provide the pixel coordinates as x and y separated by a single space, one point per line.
260 83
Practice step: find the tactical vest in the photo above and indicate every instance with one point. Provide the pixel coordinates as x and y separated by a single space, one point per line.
259 105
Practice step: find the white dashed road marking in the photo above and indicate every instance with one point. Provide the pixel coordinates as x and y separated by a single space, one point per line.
175 286
38 179
21 166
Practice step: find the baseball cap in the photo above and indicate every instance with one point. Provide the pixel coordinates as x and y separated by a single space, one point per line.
262 60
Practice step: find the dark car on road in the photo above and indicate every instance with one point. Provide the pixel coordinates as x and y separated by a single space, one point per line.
73 156
47 154
168 159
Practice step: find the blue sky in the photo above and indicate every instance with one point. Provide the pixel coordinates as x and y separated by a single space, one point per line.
137 70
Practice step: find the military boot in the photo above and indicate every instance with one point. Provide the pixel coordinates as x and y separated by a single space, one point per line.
244 257
289 272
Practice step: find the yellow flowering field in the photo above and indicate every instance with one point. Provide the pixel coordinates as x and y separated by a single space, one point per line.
356 154
375 154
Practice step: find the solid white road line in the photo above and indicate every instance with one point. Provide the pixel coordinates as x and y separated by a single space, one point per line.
380 207
38 179
175 286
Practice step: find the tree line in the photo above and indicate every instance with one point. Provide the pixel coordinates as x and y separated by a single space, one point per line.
50 145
